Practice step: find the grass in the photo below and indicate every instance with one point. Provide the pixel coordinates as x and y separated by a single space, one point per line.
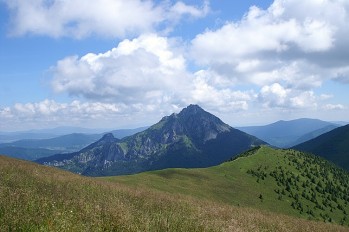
281 181
38 198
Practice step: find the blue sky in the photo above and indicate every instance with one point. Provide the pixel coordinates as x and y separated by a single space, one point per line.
122 64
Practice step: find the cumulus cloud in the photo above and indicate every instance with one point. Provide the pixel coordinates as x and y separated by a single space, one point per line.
107 18
276 96
288 43
147 70
151 71
207 91
143 69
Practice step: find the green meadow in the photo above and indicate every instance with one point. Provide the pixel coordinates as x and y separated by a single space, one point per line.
222 198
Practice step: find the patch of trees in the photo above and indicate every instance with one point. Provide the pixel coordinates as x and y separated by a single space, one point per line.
314 186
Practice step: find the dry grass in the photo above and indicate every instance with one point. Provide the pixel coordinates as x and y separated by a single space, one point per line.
37 198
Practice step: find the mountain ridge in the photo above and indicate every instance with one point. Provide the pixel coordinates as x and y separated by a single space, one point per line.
191 138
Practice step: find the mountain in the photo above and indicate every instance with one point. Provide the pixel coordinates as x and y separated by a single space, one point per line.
38 198
192 138
333 146
285 134
286 182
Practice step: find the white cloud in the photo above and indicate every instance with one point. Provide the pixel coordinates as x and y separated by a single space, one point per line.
325 96
49 113
219 98
107 18
289 43
49 108
180 8
276 96
147 68
151 71
333 107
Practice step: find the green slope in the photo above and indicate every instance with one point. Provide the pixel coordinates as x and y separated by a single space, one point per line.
282 181
333 146
38 198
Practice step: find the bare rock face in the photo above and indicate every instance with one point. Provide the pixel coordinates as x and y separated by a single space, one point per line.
191 138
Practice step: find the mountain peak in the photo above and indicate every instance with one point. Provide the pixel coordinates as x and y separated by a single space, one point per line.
200 124
192 109
108 137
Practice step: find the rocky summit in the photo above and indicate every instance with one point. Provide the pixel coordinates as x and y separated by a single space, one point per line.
191 138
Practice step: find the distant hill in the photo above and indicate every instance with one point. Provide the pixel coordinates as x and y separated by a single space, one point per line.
333 146
27 153
9 137
38 198
282 181
192 138
31 149
314 134
68 142
286 134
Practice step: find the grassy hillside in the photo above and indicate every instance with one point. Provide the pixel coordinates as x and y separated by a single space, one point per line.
38 198
282 181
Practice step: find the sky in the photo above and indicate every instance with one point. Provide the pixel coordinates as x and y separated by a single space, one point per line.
125 64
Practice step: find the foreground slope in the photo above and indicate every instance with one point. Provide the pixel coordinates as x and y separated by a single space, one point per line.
191 138
286 134
282 181
38 198
333 146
